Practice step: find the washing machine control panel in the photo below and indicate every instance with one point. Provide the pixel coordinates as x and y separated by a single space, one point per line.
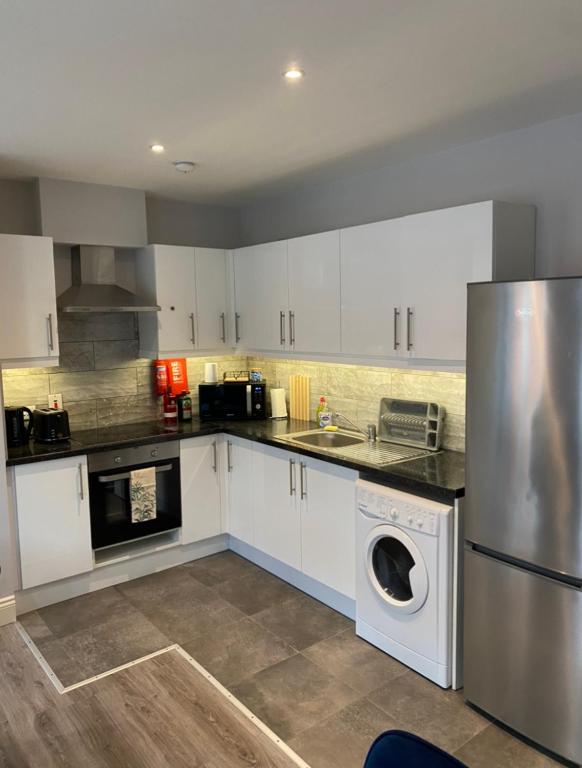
402 512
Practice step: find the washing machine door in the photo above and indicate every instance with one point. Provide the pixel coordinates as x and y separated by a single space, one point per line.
396 569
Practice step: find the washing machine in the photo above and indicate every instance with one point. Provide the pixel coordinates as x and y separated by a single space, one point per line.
404 578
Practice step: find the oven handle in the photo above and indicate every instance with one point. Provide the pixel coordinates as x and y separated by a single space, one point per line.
127 475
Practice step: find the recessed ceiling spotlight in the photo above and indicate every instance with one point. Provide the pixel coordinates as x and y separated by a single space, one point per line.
184 166
293 74
157 149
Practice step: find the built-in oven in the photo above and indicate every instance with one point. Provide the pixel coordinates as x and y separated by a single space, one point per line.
111 474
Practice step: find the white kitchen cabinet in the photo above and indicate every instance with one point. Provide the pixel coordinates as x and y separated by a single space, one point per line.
404 281
371 290
238 463
28 310
328 524
211 321
277 517
189 284
54 526
199 473
314 293
262 296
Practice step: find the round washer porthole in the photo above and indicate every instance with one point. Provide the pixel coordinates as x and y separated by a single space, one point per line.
396 569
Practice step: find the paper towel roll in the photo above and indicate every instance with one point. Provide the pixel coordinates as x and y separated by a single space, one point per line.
210 373
278 404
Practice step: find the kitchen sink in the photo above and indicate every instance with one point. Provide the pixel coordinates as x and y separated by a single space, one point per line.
326 439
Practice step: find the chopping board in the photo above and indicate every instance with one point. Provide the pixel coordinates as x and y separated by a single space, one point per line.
299 397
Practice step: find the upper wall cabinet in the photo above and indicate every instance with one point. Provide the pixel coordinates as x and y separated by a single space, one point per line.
404 281
287 295
28 309
189 284
314 293
261 296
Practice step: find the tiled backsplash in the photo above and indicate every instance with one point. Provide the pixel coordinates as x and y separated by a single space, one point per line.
100 376
103 382
355 390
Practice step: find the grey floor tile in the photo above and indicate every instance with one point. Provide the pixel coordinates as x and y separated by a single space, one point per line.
343 739
83 612
67 669
495 748
219 568
35 626
116 642
179 606
419 706
293 695
354 661
234 652
256 591
302 621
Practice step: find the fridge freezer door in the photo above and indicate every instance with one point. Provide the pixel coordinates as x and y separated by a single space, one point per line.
523 652
524 421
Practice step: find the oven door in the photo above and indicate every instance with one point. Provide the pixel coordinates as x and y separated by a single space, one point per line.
111 511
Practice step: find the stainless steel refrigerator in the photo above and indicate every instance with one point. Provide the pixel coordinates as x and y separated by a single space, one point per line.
523 524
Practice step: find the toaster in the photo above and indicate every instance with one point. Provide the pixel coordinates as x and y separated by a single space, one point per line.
50 425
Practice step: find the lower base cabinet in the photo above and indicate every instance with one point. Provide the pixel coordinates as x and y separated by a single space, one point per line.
54 526
237 457
200 473
328 524
277 518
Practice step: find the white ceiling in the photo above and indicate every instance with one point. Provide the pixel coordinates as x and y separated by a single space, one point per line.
87 85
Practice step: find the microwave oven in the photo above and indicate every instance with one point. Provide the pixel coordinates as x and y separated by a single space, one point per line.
233 400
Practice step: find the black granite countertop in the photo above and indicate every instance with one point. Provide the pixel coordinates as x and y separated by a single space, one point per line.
440 476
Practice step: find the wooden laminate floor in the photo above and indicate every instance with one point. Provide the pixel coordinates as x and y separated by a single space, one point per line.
160 713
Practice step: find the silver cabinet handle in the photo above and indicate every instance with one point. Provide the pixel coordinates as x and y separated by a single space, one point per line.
236 327
291 477
51 339
223 327
193 339
214 456
127 475
292 328
396 316
302 469
282 327
81 483
228 449
409 316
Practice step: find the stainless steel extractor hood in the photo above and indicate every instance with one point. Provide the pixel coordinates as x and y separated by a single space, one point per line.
94 287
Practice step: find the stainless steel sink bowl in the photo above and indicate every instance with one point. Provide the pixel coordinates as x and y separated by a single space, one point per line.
325 439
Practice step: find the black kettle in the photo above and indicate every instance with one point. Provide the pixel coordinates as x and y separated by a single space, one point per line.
17 427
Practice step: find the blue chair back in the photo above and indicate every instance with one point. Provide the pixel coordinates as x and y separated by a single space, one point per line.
398 749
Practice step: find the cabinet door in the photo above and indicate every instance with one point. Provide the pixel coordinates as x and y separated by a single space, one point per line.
201 513
276 511
54 527
239 468
262 296
176 294
442 251
314 293
371 290
210 298
28 310
328 525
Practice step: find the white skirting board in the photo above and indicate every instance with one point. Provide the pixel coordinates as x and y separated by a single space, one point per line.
316 589
116 573
7 610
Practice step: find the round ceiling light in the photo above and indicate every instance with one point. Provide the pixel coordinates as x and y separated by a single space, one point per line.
157 149
184 166
293 74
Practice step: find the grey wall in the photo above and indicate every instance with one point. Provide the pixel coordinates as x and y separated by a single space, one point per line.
540 165
18 208
173 222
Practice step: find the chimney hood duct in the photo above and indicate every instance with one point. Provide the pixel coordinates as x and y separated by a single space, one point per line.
94 287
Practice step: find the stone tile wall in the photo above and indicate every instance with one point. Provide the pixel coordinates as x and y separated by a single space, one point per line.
103 382
355 390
